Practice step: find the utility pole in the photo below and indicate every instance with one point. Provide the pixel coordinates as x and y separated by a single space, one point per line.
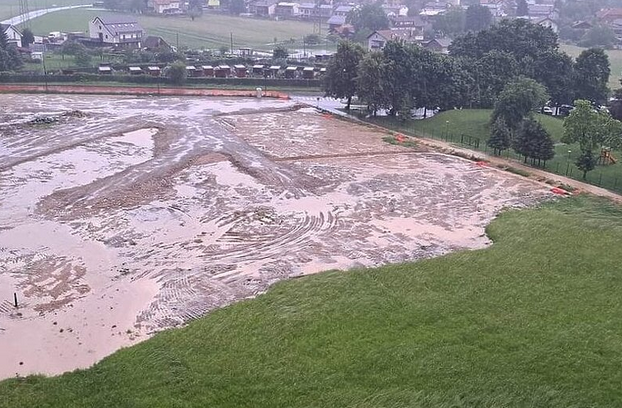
177 37
231 49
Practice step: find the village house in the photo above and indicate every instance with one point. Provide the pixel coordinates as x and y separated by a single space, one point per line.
495 7
438 45
314 12
262 8
287 10
399 10
547 22
13 34
406 22
338 18
542 10
164 6
609 15
377 40
118 31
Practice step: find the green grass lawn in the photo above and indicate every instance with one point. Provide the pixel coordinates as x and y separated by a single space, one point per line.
10 8
209 31
615 59
475 123
533 321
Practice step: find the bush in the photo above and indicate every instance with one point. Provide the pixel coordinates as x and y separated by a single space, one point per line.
177 73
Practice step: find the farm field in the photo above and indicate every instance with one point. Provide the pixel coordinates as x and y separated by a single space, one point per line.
530 321
210 31
10 8
475 123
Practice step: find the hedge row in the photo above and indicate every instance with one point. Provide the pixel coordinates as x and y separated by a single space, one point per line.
146 79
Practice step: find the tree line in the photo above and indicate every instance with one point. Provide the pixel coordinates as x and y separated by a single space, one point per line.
404 76
514 67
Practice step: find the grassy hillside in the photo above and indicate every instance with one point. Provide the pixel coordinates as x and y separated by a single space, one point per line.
208 31
10 8
615 59
533 321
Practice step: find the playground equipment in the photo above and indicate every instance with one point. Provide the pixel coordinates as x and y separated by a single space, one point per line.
606 157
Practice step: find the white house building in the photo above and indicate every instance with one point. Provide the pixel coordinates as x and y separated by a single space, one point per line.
118 31
12 34
165 6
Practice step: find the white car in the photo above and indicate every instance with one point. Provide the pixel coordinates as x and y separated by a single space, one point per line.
547 110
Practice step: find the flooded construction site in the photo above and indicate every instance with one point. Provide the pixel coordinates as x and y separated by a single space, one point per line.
123 216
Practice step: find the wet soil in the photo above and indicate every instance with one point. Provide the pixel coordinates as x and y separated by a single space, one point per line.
139 214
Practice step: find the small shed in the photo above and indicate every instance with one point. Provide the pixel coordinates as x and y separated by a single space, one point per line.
258 69
135 70
105 70
154 71
322 71
191 71
240 71
222 71
308 73
208 70
273 71
290 72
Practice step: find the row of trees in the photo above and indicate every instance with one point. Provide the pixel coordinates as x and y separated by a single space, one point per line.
405 76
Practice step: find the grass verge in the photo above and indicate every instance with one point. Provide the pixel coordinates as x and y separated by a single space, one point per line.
532 321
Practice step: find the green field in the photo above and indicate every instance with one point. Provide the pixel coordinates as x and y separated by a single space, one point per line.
615 59
207 32
10 8
532 321
475 123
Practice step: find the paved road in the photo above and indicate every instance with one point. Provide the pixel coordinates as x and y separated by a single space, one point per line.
38 13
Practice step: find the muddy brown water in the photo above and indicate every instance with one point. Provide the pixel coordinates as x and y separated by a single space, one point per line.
141 214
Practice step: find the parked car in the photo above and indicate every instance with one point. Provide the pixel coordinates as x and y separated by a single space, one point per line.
547 110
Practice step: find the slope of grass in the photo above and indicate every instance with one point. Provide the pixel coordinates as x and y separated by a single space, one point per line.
533 321
10 8
615 59
471 122
210 31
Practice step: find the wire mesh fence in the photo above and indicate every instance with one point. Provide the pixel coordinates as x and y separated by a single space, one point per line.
606 176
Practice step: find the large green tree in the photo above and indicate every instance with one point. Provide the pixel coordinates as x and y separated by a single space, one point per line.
599 36
341 72
519 99
532 141
477 18
452 23
500 136
27 37
369 82
592 129
592 75
555 70
492 73
518 37
368 17
396 74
